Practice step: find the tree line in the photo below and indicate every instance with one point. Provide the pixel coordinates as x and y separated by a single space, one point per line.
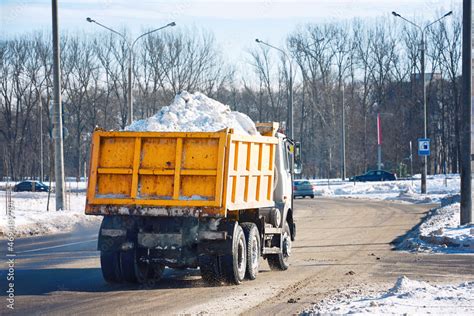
369 68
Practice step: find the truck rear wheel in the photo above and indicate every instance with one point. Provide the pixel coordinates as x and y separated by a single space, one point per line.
110 266
210 267
281 261
235 264
253 249
136 271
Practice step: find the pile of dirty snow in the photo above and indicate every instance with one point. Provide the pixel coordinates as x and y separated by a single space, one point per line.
195 113
407 297
442 228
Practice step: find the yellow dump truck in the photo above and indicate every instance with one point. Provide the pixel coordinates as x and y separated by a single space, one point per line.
214 200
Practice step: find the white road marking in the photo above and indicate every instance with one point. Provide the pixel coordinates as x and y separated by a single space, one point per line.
58 246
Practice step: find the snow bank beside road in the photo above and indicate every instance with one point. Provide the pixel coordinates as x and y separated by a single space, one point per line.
406 297
400 190
31 217
441 232
195 113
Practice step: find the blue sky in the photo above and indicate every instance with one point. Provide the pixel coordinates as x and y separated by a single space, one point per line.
235 23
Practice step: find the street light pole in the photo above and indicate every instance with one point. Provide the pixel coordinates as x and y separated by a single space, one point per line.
290 102
425 128
57 121
130 60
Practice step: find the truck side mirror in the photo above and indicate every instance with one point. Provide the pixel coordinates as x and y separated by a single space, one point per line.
297 158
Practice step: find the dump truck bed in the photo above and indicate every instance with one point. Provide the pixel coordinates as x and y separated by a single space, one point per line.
179 173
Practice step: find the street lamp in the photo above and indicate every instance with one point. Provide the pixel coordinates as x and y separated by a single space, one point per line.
423 30
289 132
130 52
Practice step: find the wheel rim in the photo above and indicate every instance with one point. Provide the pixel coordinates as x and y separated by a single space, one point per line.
241 257
254 254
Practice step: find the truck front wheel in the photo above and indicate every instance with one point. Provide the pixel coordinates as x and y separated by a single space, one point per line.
281 261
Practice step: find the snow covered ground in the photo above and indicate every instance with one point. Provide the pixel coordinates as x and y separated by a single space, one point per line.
441 231
31 217
406 297
401 190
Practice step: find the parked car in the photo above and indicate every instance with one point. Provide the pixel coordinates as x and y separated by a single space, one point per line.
375 175
28 186
303 188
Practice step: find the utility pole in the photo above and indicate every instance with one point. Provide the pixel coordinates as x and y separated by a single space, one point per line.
343 138
424 162
411 160
466 114
41 142
57 118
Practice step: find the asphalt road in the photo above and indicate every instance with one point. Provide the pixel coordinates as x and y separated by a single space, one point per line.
340 243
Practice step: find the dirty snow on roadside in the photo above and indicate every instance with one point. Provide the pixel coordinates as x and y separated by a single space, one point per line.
195 112
401 190
31 217
441 231
405 297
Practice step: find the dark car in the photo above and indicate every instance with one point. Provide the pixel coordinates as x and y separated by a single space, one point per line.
303 188
375 175
28 186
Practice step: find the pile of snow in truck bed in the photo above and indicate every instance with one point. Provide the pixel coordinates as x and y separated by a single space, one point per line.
195 113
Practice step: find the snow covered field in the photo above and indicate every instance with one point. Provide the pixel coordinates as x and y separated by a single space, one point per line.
401 190
31 217
406 297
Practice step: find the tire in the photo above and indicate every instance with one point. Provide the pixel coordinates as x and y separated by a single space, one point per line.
234 265
312 196
252 236
133 270
110 266
211 271
281 261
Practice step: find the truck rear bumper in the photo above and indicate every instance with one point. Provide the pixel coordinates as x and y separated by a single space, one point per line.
173 241
154 211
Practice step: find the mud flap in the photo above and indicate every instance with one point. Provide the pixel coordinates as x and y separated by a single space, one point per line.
292 231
